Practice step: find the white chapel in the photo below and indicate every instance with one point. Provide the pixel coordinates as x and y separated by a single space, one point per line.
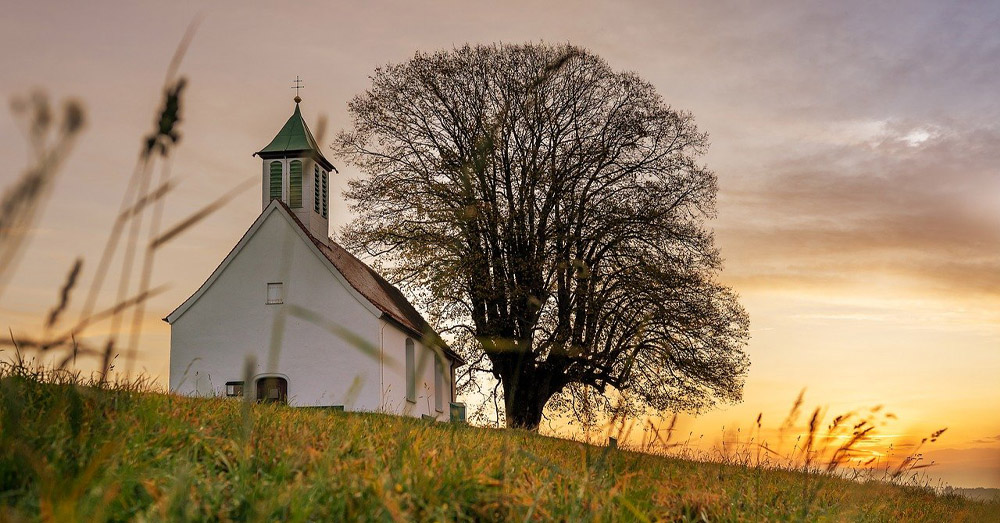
290 316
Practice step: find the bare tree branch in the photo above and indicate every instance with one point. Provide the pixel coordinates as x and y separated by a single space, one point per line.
551 212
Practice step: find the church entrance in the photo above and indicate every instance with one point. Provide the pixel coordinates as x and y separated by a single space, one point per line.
272 389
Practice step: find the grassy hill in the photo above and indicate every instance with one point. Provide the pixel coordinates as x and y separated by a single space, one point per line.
73 452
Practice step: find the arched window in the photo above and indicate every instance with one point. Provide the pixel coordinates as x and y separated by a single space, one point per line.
438 384
411 373
316 188
295 184
275 181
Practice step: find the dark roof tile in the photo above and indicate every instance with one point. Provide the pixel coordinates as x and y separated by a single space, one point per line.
370 284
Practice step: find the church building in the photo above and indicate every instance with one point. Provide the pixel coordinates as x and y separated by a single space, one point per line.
290 316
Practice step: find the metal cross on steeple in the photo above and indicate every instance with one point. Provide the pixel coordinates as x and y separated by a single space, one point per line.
298 85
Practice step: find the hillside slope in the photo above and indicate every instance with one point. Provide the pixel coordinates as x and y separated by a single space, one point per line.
69 452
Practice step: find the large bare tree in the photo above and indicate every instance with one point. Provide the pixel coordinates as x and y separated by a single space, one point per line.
552 210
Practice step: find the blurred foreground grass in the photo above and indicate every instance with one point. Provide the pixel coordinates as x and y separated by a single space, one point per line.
75 449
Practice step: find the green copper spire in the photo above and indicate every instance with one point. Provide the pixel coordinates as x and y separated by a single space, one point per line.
295 140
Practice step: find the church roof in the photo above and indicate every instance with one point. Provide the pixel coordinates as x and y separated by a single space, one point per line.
295 139
370 284
380 292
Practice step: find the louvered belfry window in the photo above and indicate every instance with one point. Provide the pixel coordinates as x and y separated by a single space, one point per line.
275 181
325 198
316 188
295 184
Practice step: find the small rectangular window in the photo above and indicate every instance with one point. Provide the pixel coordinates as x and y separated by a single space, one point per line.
234 389
411 373
275 293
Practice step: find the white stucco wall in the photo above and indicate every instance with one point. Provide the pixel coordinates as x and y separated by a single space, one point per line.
394 376
230 323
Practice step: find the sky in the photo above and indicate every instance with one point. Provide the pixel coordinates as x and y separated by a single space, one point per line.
857 148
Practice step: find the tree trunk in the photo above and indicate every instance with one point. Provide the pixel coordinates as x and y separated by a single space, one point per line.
525 397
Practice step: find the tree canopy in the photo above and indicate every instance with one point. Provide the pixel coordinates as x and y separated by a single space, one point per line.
550 212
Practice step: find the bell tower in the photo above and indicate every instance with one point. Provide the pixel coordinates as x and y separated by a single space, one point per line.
296 172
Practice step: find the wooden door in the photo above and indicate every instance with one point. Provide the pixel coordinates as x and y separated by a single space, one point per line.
272 389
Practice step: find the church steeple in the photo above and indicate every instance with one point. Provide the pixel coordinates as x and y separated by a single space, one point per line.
296 172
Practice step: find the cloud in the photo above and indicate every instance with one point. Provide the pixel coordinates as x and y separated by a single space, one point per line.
853 142
915 200
990 440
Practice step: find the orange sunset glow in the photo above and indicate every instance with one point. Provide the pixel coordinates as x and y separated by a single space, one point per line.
857 149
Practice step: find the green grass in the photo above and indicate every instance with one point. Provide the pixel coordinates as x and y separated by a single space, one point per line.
71 450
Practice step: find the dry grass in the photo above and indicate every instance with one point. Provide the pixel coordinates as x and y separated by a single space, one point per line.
824 453
76 448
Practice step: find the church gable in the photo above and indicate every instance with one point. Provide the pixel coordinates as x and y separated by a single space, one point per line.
276 210
368 288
